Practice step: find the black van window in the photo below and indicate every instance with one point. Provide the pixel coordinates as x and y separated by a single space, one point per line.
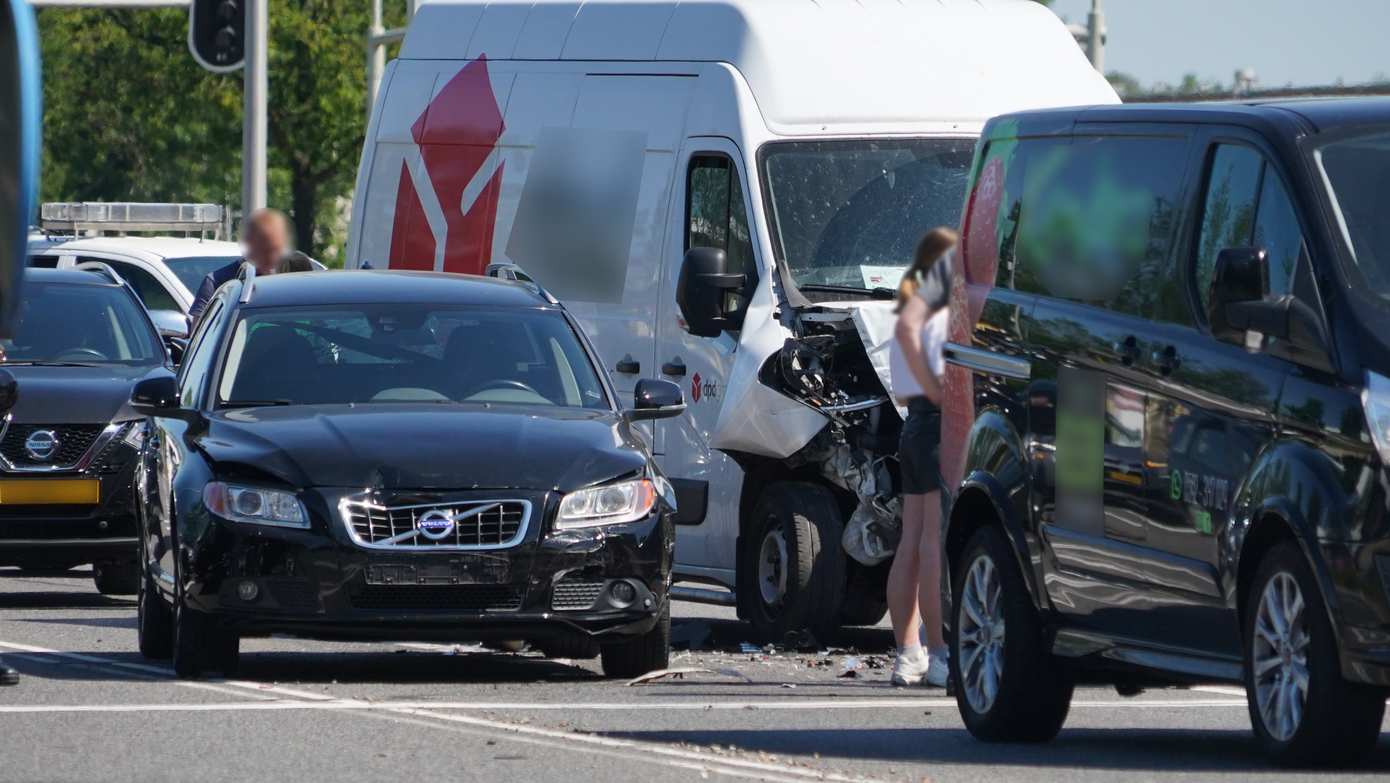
1097 220
1246 205
716 215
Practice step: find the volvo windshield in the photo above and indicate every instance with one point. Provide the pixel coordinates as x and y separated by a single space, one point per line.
846 215
1357 172
407 353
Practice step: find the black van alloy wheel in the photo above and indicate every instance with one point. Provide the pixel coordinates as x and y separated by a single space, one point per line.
1302 710
1008 686
791 569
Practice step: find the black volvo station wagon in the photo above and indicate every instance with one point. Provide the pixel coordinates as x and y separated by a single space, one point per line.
399 456
1174 386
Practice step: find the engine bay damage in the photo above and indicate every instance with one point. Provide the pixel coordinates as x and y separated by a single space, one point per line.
827 367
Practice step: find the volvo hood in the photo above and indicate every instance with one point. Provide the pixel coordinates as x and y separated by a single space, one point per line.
426 446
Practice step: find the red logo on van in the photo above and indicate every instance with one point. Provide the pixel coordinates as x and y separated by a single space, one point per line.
695 388
456 132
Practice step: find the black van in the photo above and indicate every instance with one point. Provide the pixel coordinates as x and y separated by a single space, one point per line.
1168 434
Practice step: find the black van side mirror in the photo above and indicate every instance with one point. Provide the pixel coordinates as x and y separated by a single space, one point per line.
655 399
1240 279
157 396
709 295
1240 302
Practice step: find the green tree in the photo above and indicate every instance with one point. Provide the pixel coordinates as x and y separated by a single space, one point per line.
128 115
1125 85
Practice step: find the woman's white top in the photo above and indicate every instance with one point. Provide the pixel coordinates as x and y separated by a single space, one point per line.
933 345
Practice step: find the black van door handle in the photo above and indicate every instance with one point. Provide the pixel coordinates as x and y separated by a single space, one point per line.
673 367
628 365
1128 350
1166 360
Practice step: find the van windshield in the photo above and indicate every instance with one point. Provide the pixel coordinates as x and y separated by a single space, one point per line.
1357 172
848 214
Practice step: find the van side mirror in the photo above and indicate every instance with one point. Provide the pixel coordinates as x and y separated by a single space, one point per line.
1240 279
1240 303
709 295
655 399
157 396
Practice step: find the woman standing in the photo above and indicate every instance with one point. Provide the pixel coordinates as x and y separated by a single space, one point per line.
916 366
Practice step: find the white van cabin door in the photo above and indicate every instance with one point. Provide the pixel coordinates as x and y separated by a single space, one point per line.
710 210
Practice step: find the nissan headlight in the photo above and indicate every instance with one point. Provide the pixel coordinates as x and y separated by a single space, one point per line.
610 504
1375 399
255 505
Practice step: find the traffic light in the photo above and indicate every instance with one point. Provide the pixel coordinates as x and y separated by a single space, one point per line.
217 33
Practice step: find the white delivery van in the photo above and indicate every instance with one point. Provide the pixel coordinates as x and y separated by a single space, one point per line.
725 192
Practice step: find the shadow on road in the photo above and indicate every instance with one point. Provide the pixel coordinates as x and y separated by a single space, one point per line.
1117 749
46 599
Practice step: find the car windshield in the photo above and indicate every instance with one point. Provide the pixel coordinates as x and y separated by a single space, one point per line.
396 353
191 271
849 213
1357 172
68 323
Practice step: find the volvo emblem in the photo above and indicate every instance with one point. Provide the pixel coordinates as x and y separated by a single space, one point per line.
41 444
435 524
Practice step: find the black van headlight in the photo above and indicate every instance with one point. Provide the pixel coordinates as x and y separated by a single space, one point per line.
1375 400
255 505
609 504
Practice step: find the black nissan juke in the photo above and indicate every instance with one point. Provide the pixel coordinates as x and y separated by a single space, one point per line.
399 456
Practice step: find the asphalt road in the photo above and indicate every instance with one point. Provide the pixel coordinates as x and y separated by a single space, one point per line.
89 708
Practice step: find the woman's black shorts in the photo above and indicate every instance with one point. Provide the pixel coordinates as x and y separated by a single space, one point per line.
919 449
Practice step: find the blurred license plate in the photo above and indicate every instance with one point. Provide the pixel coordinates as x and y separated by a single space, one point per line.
28 492
448 573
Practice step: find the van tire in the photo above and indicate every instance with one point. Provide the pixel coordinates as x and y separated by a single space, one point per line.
635 657
866 598
1034 693
791 554
1340 720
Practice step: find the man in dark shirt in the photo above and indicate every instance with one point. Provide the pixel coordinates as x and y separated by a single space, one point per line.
265 235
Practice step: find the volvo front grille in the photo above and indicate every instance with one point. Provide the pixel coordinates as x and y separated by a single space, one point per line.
471 524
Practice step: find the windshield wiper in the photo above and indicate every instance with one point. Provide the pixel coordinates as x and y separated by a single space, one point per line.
878 292
255 403
37 363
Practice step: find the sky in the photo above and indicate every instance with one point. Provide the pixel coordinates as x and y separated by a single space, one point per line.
1298 42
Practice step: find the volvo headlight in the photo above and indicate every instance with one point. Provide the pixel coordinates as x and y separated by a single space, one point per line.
255 505
610 504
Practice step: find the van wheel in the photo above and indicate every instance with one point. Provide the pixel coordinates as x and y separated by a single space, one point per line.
791 571
1303 711
646 653
154 622
1008 686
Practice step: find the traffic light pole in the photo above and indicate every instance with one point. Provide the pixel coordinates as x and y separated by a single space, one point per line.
254 122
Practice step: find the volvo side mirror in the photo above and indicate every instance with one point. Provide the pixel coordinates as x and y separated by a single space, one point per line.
655 399
709 295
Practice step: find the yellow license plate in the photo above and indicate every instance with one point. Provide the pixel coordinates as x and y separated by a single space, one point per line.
28 492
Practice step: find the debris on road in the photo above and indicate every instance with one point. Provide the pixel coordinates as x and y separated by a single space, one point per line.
680 672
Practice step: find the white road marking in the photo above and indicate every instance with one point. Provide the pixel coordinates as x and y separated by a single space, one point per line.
1225 690
627 750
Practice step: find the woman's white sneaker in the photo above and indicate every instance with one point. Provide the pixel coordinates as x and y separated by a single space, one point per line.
909 668
938 672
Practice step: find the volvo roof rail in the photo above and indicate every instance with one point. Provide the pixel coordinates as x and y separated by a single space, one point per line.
247 275
120 217
101 268
506 270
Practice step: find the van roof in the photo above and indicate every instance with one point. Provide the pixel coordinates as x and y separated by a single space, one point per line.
808 62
